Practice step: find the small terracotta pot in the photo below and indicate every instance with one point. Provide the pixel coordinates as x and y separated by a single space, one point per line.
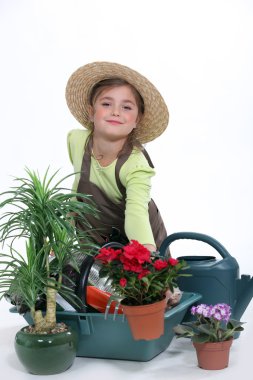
213 355
146 321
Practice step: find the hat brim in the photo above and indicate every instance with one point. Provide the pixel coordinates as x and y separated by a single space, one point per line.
156 114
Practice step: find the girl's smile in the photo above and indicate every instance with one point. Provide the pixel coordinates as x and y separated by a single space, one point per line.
114 122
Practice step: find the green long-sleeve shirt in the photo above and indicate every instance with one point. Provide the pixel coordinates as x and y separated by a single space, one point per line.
135 175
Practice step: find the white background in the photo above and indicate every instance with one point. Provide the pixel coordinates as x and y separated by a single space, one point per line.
198 53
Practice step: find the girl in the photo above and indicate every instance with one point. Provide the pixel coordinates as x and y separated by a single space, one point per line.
120 110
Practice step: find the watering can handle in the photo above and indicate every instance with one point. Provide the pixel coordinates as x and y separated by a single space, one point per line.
193 236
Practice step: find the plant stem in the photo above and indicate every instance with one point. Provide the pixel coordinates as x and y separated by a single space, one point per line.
39 321
51 304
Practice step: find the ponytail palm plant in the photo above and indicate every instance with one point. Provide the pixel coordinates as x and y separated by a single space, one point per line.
42 214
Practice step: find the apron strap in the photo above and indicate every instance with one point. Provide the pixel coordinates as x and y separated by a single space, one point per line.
120 161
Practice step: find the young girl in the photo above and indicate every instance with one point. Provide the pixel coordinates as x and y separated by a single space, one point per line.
120 110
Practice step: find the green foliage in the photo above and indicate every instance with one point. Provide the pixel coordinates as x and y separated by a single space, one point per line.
37 208
43 214
23 278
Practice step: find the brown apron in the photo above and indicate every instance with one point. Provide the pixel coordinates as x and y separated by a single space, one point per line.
111 214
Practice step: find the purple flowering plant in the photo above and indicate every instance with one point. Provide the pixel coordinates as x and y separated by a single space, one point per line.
212 324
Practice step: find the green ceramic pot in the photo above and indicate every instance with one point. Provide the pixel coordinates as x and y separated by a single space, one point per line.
46 354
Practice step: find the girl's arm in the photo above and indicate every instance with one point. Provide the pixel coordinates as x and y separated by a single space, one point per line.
138 186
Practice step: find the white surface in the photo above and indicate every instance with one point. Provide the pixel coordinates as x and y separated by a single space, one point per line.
177 362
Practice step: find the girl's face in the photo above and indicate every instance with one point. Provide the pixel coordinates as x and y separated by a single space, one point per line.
115 113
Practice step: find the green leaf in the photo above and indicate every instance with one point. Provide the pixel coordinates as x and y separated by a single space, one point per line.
233 324
200 338
145 280
184 331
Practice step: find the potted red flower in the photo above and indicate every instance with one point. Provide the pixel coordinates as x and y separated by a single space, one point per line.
141 279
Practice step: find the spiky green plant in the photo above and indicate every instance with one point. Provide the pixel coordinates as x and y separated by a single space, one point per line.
42 214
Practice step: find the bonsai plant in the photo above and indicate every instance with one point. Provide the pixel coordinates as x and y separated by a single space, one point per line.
141 279
41 216
211 333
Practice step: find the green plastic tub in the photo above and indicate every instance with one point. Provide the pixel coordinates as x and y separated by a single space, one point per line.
111 338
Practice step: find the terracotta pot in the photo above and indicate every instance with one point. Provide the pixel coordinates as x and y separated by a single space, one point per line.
213 355
146 321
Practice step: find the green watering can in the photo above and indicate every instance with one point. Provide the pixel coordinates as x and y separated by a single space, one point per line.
217 280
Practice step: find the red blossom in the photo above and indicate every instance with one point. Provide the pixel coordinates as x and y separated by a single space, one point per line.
135 250
123 282
173 262
144 273
131 266
107 255
160 264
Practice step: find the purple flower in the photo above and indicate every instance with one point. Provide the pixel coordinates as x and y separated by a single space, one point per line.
201 309
218 312
211 324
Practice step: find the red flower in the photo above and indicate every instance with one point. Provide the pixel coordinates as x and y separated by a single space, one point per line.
173 262
136 274
136 251
160 264
123 282
107 255
132 266
144 273
134 255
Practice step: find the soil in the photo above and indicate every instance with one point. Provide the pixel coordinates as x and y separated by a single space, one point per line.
59 328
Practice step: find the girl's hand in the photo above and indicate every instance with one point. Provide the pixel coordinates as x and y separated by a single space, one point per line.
150 247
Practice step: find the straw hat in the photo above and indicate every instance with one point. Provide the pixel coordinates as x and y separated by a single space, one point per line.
156 115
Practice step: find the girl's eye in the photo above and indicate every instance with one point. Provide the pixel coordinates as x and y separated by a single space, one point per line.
128 108
106 104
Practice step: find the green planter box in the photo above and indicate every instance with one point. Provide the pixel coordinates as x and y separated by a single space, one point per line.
111 338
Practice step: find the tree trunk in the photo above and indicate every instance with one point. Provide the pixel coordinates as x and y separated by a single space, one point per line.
51 305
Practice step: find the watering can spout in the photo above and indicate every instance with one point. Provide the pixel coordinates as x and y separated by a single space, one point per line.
244 294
